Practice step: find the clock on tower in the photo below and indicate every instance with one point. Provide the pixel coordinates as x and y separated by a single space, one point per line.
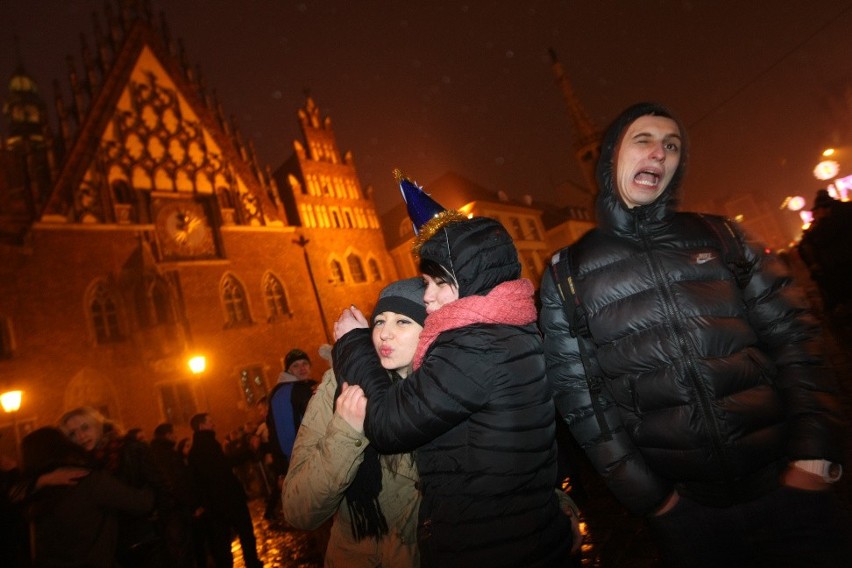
183 229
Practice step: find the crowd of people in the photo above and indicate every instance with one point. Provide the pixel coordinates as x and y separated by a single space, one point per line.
681 357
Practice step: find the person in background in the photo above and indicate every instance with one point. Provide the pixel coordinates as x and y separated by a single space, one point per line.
477 406
222 496
140 538
335 472
717 417
177 520
76 525
14 532
288 402
826 249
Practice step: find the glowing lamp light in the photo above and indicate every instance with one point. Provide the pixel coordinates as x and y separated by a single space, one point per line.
826 169
197 364
11 401
828 152
796 203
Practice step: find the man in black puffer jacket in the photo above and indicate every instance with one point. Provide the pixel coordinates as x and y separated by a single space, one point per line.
717 417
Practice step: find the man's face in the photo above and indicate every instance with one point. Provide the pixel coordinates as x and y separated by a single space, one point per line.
301 369
208 424
646 159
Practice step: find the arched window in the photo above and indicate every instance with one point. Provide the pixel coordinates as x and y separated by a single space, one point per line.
356 268
103 311
336 272
234 302
375 271
276 298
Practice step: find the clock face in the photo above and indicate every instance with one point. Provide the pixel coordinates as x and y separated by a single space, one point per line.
183 230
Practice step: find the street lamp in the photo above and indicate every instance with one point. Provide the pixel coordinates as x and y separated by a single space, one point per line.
197 364
11 402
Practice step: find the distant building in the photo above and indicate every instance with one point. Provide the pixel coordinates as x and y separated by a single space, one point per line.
145 231
141 230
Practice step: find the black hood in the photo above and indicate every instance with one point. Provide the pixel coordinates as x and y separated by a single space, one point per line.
613 214
479 252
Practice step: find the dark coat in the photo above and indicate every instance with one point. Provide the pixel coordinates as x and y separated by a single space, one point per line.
78 525
220 490
479 413
709 388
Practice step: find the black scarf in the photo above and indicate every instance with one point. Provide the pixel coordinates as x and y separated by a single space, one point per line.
362 495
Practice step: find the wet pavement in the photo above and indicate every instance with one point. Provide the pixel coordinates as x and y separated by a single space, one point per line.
612 538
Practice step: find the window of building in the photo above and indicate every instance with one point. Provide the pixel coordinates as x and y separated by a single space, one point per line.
516 228
276 297
177 401
356 268
532 266
335 219
375 271
253 384
532 228
234 302
7 345
103 311
336 272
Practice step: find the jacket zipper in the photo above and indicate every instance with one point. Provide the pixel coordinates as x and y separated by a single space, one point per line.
671 312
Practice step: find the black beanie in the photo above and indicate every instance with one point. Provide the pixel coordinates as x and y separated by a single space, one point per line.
403 297
293 356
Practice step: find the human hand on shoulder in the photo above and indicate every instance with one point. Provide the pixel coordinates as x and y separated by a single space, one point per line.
352 406
351 318
62 476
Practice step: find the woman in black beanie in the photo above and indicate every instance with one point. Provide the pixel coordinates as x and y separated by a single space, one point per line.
335 472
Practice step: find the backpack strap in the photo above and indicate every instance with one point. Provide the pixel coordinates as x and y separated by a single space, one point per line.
560 266
732 248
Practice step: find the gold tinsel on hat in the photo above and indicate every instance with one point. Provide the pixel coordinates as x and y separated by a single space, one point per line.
432 226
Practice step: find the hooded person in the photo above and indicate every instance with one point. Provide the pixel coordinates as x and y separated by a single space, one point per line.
477 407
692 383
336 473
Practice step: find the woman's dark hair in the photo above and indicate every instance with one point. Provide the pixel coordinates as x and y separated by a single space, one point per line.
434 269
46 449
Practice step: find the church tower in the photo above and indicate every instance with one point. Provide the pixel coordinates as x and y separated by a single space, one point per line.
340 233
28 149
588 138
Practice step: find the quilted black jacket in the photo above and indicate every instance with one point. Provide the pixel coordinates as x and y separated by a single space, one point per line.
709 388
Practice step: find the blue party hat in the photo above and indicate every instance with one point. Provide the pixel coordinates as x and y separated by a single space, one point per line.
427 215
421 207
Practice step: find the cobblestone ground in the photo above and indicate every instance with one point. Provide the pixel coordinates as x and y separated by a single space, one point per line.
612 538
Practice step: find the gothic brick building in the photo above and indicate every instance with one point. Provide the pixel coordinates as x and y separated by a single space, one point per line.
143 230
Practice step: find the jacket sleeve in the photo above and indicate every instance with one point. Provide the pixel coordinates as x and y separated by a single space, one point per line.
115 495
615 457
326 457
450 385
790 335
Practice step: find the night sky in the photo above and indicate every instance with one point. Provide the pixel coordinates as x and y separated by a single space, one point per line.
467 86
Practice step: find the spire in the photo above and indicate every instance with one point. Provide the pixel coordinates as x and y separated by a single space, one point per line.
24 111
587 143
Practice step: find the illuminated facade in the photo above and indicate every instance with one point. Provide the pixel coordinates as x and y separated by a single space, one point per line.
145 231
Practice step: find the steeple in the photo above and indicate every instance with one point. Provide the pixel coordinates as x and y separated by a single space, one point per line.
587 143
24 110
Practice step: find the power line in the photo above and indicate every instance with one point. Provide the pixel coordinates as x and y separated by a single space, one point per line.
772 66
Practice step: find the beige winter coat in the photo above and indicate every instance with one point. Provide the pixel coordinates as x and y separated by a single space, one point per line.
325 459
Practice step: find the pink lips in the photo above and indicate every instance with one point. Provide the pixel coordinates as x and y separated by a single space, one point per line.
385 351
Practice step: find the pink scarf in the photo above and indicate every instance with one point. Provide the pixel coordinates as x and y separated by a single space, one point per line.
509 303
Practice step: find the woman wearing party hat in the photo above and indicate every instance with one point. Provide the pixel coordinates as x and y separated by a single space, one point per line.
477 407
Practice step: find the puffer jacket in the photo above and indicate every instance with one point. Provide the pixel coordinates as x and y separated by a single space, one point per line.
709 389
325 459
480 414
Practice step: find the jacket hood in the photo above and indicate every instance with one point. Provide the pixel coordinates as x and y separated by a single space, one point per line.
478 252
613 215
